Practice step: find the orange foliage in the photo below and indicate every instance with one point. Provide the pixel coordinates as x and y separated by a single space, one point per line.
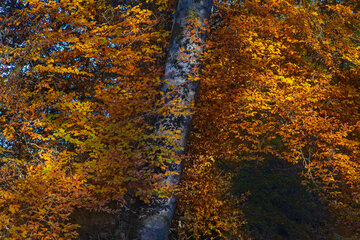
77 99
206 208
280 77
79 94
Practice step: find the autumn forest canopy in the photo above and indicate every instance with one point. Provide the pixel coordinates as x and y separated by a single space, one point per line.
274 146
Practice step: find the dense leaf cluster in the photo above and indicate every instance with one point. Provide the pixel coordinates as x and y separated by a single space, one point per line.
280 79
80 91
78 94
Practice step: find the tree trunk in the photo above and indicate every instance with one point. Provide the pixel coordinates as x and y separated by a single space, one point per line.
187 41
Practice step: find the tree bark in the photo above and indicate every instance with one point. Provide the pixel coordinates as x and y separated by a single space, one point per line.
183 63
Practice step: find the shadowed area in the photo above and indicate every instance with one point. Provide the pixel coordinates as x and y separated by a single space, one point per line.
279 206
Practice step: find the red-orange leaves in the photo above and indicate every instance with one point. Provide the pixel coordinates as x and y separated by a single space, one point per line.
77 99
280 78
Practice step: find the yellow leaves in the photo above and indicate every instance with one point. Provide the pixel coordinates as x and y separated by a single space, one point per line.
79 114
289 81
82 114
13 208
207 208
286 78
50 68
36 198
